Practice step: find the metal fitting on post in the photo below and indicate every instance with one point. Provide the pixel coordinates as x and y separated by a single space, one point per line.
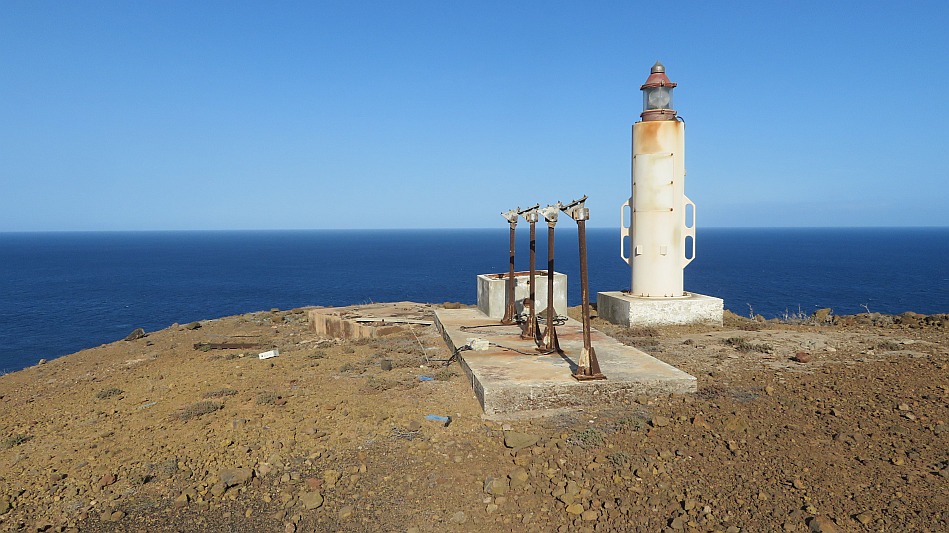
509 310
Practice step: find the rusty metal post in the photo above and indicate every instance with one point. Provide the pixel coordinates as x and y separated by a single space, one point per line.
529 328
550 341
509 310
588 367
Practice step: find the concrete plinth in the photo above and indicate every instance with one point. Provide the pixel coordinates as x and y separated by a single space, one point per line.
626 310
511 378
365 321
492 292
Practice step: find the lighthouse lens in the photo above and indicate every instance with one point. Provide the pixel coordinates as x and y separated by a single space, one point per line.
657 98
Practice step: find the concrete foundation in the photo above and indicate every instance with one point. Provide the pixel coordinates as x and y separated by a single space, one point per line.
492 292
365 321
511 379
626 310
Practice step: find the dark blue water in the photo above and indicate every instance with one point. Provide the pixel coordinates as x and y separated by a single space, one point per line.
62 292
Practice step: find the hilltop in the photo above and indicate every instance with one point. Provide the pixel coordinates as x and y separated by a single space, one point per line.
821 424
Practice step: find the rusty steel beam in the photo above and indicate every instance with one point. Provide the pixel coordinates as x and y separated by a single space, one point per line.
509 310
589 367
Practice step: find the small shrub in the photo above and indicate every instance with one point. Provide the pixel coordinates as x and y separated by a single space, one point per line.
889 346
618 459
632 423
348 368
108 393
743 345
444 374
221 393
587 438
267 398
199 409
319 354
14 440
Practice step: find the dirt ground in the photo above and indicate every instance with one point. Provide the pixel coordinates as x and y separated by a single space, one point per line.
826 424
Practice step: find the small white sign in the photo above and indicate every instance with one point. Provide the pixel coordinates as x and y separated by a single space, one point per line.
268 354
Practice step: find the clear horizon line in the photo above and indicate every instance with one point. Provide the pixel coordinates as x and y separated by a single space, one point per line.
195 230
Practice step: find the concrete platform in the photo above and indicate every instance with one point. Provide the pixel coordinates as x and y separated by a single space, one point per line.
509 379
627 310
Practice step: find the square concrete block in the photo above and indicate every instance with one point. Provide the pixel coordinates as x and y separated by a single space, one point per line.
492 292
625 310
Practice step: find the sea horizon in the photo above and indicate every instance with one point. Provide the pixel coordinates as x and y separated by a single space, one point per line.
500 226
65 291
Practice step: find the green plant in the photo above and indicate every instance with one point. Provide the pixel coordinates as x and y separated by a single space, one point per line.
108 393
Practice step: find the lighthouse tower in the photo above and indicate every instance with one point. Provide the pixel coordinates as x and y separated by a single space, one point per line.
661 232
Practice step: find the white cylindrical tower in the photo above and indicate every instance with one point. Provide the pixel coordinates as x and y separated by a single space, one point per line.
661 233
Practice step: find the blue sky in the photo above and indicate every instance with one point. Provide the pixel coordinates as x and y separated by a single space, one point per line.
352 114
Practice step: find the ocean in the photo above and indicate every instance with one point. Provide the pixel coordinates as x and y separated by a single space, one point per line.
63 292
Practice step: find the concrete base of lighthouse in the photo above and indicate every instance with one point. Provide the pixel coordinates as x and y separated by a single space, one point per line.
626 310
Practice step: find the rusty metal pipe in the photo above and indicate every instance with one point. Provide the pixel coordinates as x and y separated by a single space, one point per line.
551 344
550 341
530 329
589 367
509 310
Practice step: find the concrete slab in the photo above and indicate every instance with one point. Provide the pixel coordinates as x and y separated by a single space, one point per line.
510 377
627 310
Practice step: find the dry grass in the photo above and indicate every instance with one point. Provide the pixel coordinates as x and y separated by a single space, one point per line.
743 345
220 393
196 410
108 393
14 440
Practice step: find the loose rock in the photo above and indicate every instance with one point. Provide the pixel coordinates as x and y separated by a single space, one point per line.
822 524
515 439
311 500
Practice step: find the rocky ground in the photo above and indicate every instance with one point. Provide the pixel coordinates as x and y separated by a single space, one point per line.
825 424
